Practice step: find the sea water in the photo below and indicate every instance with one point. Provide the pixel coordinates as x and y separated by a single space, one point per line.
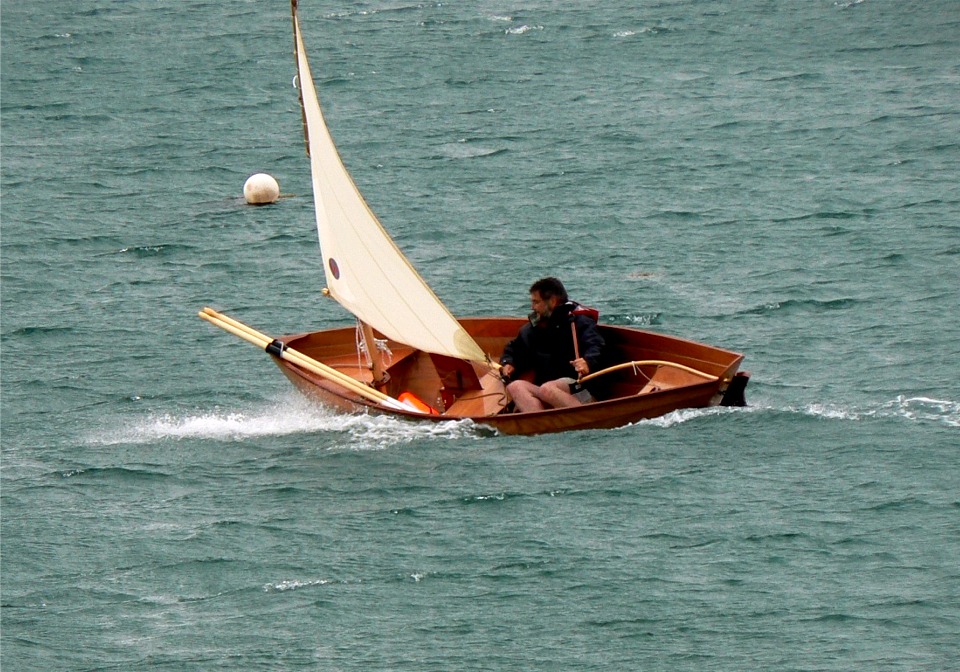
777 178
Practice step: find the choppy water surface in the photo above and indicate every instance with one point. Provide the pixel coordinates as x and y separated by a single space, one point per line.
778 179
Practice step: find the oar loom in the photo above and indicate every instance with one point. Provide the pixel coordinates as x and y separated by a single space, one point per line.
279 349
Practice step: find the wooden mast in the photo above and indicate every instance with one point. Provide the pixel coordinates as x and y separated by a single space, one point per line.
376 361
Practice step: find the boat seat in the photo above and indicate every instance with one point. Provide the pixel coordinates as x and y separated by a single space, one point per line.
476 403
488 398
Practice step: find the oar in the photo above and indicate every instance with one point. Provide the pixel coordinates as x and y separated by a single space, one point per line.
576 348
251 335
279 349
273 346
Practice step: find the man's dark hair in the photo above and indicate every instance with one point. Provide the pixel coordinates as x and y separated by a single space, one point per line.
548 288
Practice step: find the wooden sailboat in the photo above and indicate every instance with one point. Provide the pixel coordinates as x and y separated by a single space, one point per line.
409 356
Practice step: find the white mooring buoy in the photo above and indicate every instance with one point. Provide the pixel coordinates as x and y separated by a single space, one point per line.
261 189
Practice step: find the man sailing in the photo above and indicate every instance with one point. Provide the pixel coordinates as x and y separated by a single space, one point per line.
559 345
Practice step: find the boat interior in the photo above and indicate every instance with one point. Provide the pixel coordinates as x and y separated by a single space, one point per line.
456 388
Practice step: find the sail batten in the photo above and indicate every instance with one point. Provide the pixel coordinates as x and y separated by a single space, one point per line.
365 270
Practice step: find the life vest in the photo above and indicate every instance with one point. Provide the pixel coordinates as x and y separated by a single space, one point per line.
592 313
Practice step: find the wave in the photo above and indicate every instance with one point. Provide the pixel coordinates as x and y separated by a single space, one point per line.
32 331
295 584
113 474
289 416
633 320
794 306
461 150
914 409
144 251
520 30
687 414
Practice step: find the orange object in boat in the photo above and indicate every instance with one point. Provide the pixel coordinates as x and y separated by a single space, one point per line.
410 398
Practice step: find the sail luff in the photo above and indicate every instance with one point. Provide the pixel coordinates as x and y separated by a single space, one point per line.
366 272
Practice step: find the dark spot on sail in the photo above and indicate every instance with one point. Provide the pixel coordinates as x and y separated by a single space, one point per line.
334 268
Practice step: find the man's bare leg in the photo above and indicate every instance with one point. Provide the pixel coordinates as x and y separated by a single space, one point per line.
529 397
556 394
525 396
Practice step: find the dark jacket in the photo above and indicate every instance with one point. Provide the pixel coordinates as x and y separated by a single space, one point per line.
547 348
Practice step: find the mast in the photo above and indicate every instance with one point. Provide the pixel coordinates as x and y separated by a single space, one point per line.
296 58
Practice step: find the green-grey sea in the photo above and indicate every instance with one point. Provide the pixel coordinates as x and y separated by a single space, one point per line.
777 178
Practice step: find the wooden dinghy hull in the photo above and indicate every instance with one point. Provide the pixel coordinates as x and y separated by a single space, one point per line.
457 390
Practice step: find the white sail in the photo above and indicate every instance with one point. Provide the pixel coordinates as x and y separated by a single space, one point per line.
366 271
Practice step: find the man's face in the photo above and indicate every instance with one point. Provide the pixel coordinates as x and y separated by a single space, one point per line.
541 306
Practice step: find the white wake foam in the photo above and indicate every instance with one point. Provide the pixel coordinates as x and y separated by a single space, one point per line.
688 414
914 409
296 415
923 409
291 415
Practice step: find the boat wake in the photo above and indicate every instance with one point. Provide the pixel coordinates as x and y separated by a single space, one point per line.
288 416
687 414
295 415
917 409
913 409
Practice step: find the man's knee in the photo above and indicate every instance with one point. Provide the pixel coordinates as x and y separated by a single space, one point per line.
517 386
557 393
558 385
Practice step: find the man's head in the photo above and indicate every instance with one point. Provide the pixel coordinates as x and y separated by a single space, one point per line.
545 295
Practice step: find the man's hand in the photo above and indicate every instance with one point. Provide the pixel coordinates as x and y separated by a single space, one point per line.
581 366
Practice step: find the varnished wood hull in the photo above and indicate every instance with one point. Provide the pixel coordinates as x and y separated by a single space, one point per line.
458 394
